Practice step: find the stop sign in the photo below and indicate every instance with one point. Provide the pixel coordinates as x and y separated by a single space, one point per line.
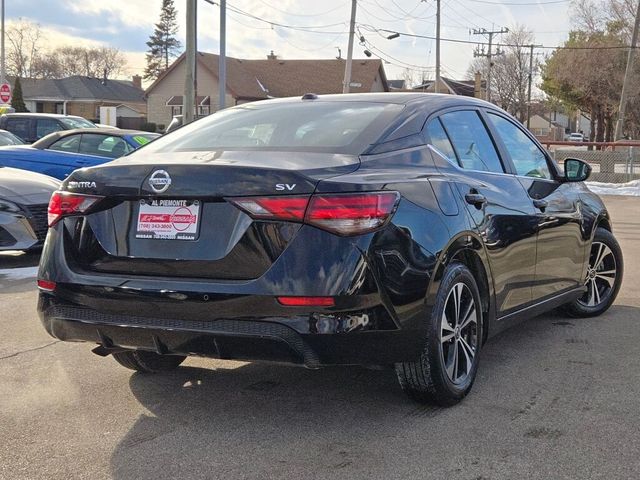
5 93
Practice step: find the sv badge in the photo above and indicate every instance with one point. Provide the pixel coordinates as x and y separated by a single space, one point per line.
285 186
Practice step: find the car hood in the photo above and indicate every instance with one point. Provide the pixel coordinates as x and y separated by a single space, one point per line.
22 186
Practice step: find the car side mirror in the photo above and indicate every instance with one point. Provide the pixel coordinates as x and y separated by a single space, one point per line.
576 170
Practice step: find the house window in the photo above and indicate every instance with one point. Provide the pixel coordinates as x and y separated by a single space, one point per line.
540 132
176 110
203 110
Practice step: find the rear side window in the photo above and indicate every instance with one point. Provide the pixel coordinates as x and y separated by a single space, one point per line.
471 141
45 126
525 154
440 141
67 144
339 127
103 145
19 127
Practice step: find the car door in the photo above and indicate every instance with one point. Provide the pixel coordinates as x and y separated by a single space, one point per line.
500 208
561 247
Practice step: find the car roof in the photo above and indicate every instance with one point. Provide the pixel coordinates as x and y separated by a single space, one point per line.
47 140
41 115
437 100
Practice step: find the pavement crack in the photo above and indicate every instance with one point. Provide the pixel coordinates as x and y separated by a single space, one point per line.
30 350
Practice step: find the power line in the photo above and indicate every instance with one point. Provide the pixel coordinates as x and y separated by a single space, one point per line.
304 14
523 4
471 42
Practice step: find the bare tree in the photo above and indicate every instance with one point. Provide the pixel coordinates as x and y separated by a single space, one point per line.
510 72
25 41
27 56
90 62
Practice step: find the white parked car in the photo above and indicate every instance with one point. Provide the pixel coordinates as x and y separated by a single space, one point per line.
576 137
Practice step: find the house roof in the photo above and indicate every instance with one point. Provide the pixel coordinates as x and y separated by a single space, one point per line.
261 79
458 87
80 88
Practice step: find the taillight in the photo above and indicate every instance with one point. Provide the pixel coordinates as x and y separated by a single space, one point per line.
275 208
351 214
63 204
46 285
306 301
344 214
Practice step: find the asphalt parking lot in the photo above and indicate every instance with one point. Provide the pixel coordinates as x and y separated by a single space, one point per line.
556 398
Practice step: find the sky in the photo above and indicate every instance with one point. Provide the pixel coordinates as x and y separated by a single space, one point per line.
320 27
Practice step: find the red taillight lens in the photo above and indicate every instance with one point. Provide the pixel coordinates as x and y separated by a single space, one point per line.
274 208
351 213
306 301
46 285
65 203
344 214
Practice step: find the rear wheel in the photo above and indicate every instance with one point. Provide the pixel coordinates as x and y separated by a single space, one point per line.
603 278
148 362
447 367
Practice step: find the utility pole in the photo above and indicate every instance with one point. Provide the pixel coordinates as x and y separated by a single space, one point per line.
352 31
188 101
222 59
437 89
489 54
531 47
2 64
627 77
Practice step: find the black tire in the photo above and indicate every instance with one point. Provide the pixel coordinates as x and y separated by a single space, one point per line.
598 277
148 362
427 379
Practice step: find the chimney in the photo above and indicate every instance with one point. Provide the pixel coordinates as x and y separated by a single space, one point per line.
137 81
272 56
477 87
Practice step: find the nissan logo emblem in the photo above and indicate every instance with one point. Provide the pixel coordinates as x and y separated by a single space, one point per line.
160 181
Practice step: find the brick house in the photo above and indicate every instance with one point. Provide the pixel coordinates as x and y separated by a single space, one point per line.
83 96
251 80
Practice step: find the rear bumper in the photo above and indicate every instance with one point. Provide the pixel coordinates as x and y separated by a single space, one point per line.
255 339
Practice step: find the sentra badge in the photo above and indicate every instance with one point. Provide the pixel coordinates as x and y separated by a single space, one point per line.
160 181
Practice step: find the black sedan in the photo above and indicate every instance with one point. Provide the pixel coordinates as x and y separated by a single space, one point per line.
373 229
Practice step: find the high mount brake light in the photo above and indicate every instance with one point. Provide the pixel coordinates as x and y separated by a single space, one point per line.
343 214
63 204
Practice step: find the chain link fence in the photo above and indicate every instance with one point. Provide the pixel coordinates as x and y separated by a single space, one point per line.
609 166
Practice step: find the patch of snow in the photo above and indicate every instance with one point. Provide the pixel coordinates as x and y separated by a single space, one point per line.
630 188
19 273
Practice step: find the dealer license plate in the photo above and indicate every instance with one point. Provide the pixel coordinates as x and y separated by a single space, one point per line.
168 219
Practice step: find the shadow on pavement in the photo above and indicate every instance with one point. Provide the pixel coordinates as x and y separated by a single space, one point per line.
269 421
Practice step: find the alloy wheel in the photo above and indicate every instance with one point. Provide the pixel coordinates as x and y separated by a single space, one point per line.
601 275
459 333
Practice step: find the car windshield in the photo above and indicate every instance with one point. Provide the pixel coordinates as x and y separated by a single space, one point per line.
311 126
77 122
8 138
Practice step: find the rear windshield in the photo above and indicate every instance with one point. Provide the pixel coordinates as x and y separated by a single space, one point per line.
76 122
312 126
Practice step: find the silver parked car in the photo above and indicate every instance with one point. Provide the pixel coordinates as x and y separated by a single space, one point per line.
24 197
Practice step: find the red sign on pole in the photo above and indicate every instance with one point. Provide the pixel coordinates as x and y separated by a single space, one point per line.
5 93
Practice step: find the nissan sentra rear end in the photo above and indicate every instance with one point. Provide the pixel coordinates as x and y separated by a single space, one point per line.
231 238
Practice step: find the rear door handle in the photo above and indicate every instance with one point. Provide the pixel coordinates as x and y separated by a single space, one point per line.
475 199
540 204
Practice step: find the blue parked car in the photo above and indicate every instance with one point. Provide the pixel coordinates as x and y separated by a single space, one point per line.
60 153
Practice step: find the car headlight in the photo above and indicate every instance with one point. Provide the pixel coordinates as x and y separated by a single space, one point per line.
7 206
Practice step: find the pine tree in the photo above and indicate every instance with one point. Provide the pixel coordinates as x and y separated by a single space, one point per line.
17 101
163 44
